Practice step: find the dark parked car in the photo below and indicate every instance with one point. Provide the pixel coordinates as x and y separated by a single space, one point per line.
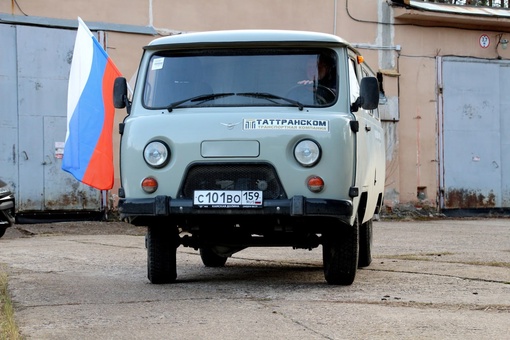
7 207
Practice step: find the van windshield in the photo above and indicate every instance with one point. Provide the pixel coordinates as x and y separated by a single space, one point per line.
235 77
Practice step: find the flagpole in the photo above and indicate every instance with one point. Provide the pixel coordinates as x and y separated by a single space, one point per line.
104 204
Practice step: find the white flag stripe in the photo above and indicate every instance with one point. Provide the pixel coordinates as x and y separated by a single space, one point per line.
80 68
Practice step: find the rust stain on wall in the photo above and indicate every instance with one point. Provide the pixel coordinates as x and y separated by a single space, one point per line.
463 198
78 199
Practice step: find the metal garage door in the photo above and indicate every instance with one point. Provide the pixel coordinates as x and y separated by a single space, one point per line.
475 133
33 86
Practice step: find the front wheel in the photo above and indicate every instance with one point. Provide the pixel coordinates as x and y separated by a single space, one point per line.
340 252
162 243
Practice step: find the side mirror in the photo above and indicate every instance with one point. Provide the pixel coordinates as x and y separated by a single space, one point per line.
369 95
120 99
369 92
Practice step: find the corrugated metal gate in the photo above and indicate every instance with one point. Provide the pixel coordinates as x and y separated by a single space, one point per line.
474 133
34 71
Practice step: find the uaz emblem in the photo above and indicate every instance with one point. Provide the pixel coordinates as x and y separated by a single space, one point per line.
230 126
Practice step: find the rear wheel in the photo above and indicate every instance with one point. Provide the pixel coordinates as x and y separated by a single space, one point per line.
340 252
2 231
162 243
211 259
365 244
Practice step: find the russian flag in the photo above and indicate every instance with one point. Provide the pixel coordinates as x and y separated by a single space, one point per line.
88 151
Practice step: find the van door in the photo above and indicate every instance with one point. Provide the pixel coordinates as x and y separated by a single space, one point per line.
369 141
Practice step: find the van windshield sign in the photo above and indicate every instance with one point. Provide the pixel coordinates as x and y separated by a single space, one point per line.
286 124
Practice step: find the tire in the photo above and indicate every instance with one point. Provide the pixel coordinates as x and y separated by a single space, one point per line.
340 253
365 244
211 259
162 243
2 231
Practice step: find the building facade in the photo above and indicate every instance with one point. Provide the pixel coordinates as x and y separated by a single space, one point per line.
443 69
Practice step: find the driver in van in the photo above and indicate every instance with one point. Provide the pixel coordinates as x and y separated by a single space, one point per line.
319 70
320 73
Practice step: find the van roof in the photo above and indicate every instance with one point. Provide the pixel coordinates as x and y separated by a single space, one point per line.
246 38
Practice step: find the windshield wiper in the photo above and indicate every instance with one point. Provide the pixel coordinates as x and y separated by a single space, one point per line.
207 97
270 96
201 99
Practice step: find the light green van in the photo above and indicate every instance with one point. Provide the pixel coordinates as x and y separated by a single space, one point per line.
252 138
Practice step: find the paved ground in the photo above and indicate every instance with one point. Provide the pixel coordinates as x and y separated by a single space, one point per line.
440 279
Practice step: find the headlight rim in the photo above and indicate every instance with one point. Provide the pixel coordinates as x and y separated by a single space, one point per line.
167 158
319 153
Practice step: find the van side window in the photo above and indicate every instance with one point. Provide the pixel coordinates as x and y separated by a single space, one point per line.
364 72
353 81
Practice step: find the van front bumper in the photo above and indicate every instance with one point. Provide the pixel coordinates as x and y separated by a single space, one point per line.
296 206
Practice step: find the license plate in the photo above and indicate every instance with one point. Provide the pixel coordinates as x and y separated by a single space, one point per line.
227 198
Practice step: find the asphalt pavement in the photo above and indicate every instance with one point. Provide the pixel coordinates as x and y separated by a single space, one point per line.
437 279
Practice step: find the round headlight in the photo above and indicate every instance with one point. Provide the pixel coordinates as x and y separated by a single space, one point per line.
307 152
156 154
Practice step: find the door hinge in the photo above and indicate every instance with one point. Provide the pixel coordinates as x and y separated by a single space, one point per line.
353 192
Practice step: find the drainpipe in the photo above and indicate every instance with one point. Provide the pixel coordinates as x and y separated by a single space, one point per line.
335 15
151 19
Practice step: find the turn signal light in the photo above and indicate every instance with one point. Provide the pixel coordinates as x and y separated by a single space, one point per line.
315 183
360 59
149 185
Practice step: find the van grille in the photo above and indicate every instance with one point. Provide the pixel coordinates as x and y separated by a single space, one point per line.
233 177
